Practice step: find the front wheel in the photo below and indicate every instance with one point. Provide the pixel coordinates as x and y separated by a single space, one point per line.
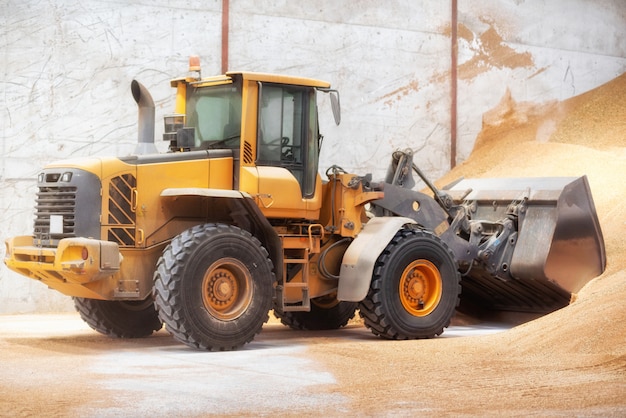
415 288
214 287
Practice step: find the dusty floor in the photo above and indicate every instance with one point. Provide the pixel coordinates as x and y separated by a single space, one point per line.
569 363
54 365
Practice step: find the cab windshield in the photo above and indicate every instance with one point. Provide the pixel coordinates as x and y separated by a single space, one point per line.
215 113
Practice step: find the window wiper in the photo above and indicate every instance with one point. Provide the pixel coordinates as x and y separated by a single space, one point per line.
221 142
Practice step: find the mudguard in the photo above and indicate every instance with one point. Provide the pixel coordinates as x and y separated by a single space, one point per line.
359 259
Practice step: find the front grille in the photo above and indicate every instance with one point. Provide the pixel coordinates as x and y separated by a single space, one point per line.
67 205
51 201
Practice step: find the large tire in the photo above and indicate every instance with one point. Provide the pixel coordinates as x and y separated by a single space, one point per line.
326 313
122 319
415 288
214 287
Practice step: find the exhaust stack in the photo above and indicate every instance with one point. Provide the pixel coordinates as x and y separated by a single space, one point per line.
145 139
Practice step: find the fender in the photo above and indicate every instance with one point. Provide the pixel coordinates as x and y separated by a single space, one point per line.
359 259
250 218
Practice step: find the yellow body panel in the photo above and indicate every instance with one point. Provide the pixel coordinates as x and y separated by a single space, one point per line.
278 194
103 167
152 215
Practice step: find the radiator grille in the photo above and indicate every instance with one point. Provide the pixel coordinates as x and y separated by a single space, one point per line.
53 200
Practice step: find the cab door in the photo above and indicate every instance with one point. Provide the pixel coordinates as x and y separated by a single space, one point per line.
288 151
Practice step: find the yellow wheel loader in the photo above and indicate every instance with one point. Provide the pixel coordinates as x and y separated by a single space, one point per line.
235 221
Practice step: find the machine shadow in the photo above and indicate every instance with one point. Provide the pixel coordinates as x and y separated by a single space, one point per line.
271 336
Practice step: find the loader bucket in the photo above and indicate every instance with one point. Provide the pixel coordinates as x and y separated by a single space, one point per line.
558 248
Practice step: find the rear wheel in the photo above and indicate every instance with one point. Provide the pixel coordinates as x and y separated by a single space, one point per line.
214 287
122 319
415 288
326 313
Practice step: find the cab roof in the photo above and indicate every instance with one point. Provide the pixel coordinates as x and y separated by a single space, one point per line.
254 76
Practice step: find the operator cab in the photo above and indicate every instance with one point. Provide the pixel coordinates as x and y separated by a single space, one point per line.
269 121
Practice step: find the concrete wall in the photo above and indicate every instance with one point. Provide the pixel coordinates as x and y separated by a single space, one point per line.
67 66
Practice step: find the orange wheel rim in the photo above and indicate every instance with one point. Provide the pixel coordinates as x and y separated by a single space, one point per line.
420 288
227 289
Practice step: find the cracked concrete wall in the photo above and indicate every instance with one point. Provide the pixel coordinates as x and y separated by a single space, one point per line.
67 66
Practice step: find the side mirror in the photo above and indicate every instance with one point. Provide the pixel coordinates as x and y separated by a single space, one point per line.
334 104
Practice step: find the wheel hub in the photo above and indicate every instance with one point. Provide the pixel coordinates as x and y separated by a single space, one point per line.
227 289
222 287
416 286
420 287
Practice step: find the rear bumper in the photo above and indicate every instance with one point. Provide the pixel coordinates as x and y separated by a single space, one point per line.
76 262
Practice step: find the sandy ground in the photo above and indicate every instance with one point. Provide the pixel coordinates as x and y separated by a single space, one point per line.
55 365
568 363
